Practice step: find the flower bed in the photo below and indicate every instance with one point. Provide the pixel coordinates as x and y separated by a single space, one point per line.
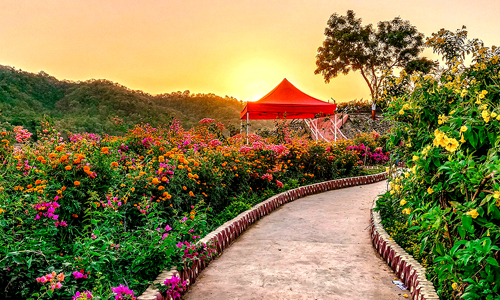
110 213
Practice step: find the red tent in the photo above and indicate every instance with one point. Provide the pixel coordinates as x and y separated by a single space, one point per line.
286 98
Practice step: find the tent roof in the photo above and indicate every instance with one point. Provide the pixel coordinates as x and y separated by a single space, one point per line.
286 98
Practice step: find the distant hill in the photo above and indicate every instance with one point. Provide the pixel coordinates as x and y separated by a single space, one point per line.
102 106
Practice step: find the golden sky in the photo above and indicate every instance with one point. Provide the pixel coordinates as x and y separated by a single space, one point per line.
239 48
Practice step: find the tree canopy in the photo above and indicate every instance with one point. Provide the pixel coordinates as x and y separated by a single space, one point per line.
350 46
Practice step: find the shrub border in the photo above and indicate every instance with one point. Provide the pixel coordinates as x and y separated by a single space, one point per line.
225 234
408 269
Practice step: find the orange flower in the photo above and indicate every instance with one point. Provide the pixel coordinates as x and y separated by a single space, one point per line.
180 167
191 194
52 155
155 181
114 164
161 187
63 188
38 182
161 159
105 150
77 183
67 168
60 277
184 188
59 148
39 158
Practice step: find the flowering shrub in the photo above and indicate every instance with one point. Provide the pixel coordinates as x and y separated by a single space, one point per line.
447 129
106 211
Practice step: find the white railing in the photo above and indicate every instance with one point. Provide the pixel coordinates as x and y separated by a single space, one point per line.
316 134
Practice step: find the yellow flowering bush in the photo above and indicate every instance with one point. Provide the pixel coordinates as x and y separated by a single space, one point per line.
447 129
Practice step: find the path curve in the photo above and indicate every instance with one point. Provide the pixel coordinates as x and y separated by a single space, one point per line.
317 247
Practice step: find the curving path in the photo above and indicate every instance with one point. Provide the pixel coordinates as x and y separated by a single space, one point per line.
316 247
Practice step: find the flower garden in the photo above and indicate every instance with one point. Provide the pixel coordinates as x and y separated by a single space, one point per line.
444 208
99 217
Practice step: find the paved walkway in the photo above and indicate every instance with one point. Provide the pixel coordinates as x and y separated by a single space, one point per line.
316 247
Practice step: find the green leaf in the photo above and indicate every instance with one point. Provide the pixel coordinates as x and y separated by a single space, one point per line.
439 249
492 261
467 223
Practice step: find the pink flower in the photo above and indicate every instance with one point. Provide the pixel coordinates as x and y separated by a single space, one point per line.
168 228
279 183
83 296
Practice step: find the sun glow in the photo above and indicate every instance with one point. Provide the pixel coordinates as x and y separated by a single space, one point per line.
256 77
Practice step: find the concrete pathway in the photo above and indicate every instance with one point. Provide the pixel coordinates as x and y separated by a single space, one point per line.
316 247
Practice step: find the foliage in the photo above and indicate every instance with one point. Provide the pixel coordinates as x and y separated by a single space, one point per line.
110 213
351 46
447 130
354 106
101 106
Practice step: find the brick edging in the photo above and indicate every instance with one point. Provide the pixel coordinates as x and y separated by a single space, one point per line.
223 236
408 269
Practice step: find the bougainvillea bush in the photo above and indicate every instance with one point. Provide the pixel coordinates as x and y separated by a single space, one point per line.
448 127
99 217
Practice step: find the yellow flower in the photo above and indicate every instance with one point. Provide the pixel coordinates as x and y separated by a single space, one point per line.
496 194
462 139
494 114
454 286
415 158
484 92
401 112
430 190
407 175
473 213
402 202
486 116
463 129
406 211
481 96
451 144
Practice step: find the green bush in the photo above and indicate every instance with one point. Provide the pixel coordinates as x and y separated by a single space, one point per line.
447 129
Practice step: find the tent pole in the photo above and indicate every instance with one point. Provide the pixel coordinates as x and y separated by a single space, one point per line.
248 114
335 127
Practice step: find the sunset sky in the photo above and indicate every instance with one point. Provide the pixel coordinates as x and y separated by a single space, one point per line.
238 48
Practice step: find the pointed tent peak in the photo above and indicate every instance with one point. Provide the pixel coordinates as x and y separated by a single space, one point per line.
287 93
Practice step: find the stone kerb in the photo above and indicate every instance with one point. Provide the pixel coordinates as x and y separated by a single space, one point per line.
225 234
411 273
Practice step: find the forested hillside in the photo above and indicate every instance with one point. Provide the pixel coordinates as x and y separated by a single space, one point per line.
101 106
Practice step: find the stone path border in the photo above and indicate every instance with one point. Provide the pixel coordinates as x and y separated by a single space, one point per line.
404 265
223 236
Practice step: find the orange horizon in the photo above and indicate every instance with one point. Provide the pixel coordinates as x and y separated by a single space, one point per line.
241 49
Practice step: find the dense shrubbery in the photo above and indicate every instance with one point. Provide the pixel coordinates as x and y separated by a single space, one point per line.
107 211
448 127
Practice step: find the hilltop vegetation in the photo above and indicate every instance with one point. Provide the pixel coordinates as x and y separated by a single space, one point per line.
101 106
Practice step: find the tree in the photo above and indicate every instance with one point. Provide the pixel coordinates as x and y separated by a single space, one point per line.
350 46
